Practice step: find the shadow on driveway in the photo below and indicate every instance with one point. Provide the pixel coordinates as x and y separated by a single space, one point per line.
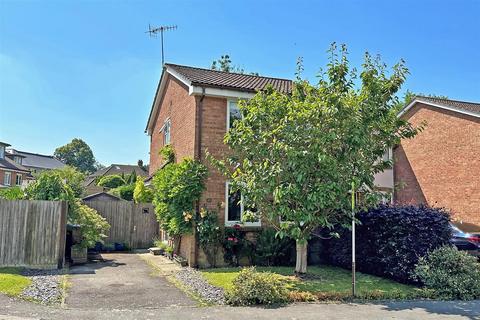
468 309
121 281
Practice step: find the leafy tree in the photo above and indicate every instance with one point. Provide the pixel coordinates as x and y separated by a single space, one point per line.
77 154
73 178
225 64
177 187
141 193
51 185
294 156
132 178
111 181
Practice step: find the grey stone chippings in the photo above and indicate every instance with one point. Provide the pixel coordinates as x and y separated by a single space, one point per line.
194 280
45 287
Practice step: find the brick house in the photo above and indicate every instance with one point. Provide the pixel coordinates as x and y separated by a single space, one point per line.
192 110
441 165
12 172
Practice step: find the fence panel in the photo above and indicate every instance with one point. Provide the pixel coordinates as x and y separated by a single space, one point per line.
32 233
130 223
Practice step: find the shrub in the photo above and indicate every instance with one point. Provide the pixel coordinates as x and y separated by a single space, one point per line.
141 193
251 287
452 274
209 235
111 181
273 251
391 239
13 193
93 226
125 192
177 187
236 246
167 153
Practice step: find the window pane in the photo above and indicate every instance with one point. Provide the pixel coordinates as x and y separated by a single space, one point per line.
234 113
234 208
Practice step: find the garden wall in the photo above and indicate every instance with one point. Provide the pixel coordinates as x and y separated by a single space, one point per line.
32 233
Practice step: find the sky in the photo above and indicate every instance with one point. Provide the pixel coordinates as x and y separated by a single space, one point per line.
87 69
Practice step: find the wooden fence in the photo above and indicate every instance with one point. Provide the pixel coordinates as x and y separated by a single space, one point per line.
32 233
130 223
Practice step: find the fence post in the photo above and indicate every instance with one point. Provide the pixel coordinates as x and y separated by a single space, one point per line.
62 233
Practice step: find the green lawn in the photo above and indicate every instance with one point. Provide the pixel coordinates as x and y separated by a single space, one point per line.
11 282
326 280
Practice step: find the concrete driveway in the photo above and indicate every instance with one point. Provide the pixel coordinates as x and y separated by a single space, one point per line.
121 281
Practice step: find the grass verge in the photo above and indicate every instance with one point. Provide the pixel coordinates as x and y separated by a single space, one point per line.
324 283
12 283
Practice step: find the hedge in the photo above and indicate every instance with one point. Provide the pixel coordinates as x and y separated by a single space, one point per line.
391 239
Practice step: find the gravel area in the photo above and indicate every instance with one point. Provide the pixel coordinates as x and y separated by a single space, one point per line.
45 287
195 281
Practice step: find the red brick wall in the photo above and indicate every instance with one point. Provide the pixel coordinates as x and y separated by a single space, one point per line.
214 127
13 177
441 165
180 107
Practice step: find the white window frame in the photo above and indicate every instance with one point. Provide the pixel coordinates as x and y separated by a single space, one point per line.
230 223
2 152
387 156
17 159
7 182
167 131
17 179
229 101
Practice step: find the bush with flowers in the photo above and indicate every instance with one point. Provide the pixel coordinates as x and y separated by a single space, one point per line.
209 234
177 187
235 245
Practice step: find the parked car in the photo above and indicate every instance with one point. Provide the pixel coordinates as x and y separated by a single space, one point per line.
464 239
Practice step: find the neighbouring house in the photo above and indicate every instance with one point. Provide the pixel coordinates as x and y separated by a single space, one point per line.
12 172
192 110
441 165
118 169
35 162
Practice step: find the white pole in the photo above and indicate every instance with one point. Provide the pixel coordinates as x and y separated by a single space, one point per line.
353 239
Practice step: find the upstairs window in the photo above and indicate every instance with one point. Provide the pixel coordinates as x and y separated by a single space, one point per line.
2 152
18 160
233 113
166 131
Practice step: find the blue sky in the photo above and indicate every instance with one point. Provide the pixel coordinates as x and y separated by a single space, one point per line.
86 69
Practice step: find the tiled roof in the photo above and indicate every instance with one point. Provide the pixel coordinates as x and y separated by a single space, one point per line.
230 80
9 164
38 160
116 169
460 105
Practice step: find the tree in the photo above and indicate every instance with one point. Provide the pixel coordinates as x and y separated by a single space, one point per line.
225 64
77 154
294 156
111 181
51 185
141 193
73 178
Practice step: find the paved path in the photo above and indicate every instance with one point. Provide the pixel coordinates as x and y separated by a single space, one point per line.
123 288
123 281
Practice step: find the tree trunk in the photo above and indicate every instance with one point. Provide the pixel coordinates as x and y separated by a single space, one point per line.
301 266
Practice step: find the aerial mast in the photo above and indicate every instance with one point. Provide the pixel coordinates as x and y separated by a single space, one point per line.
153 31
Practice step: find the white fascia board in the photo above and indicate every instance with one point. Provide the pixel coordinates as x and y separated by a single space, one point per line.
409 106
223 93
